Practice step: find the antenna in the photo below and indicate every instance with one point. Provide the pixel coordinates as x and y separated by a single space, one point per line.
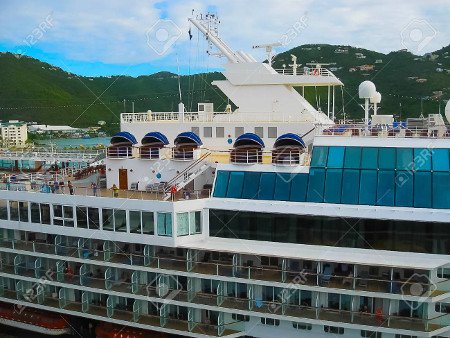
294 64
269 50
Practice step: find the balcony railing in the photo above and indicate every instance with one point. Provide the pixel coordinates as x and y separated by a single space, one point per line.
182 154
286 157
119 152
246 156
148 153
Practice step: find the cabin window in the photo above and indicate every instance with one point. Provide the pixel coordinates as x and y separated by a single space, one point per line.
135 222
164 224
272 132
238 131
302 326
270 321
207 131
3 209
94 218
259 131
82 217
196 130
220 132
148 223
370 334
333 329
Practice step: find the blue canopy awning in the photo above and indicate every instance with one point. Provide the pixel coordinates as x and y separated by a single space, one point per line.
248 139
123 137
187 136
289 139
155 137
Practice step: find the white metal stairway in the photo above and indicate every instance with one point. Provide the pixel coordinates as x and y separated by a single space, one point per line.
186 176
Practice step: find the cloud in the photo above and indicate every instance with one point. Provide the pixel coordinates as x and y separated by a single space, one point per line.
114 31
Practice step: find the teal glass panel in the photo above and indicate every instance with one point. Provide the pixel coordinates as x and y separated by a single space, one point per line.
333 186
319 157
235 184
336 157
352 158
386 187
386 158
350 186
368 187
267 186
422 159
422 189
251 185
299 186
405 159
221 185
316 185
369 158
441 190
282 187
440 159
404 192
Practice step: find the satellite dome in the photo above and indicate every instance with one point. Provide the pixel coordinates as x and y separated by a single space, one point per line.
367 90
447 111
376 98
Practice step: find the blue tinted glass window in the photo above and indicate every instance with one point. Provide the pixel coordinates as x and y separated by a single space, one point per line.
350 186
251 185
336 157
441 190
422 159
440 159
235 184
368 187
316 184
221 185
319 157
386 187
282 187
333 186
404 182
299 186
369 158
422 189
386 158
405 159
267 186
352 158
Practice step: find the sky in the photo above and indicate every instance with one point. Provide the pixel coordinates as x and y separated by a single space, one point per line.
140 37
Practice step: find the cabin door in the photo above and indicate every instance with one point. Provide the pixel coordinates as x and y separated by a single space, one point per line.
123 179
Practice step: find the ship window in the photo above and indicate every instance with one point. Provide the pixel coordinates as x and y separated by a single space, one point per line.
352 159
235 184
238 131
422 189
107 219
207 131
120 220
319 157
251 185
316 185
405 159
336 157
13 210
266 186
282 187
259 131
35 213
82 217
333 329
270 321
404 189
333 185
23 211
195 222
240 318
164 224
220 132
221 185
135 222
369 158
368 187
63 215
182 224
272 132
195 130
350 186
302 326
370 334
45 213
94 218
440 159
422 159
386 158
299 186
148 223
385 189
441 190
3 209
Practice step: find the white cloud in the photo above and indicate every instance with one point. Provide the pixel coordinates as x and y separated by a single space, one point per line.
114 31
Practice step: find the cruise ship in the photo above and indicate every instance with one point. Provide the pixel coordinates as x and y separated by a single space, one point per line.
268 220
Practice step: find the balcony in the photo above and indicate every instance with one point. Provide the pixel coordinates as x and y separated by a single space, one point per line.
149 153
119 152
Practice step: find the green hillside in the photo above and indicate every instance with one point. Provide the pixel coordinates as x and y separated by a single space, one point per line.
31 90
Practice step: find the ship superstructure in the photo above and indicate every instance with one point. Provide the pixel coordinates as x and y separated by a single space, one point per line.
259 222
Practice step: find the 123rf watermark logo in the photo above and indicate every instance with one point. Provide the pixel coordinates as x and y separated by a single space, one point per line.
418 285
31 294
35 35
162 35
417 35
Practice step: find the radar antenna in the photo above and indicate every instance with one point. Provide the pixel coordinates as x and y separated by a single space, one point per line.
269 50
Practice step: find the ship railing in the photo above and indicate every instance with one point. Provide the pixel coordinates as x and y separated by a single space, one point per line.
119 152
305 71
149 194
285 304
149 153
383 131
45 153
250 156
